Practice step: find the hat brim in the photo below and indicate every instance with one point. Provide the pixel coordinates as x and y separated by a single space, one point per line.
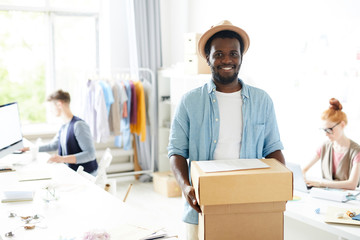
205 37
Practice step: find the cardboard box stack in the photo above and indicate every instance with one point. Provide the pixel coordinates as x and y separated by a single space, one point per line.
194 63
165 184
245 204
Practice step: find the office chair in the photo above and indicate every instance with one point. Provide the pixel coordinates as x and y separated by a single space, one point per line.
101 177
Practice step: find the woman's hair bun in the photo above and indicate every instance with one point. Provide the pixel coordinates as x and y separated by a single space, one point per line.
335 104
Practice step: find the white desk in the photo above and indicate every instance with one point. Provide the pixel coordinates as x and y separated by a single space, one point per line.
302 222
82 206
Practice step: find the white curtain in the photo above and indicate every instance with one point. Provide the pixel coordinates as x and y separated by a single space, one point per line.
133 51
145 52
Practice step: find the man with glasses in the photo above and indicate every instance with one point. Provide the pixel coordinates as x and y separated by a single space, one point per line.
340 156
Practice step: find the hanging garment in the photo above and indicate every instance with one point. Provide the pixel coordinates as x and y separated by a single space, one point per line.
144 148
140 126
95 112
108 95
123 97
125 139
133 111
114 116
148 100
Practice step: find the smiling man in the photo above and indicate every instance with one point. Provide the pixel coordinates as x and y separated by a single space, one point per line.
223 119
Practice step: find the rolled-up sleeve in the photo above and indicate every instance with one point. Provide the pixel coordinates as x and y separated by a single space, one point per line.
272 140
179 133
84 138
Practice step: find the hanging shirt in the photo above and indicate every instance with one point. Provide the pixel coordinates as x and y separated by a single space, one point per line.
133 111
140 126
123 98
108 95
125 138
114 116
95 112
144 148
148 101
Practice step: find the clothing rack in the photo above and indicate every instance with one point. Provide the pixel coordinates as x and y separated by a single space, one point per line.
153 116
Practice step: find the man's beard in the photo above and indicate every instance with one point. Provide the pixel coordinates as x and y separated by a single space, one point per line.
224 80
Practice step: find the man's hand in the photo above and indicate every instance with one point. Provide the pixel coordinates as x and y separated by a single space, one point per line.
189 193
180 169
24 149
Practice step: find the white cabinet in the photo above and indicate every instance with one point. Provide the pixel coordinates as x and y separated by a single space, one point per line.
164 118
172 84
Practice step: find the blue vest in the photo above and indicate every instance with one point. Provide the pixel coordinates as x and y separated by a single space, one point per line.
72 147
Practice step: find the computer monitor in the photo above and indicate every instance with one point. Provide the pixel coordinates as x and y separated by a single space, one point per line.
10 129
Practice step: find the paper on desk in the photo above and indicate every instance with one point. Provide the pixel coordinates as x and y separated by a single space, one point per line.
34 175
230 165
17 195
337 195
333 212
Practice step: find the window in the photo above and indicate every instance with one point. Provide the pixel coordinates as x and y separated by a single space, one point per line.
45 45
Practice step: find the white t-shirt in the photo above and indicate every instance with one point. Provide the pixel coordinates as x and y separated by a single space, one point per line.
229 142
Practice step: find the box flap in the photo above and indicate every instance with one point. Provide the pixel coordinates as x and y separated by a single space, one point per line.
274 184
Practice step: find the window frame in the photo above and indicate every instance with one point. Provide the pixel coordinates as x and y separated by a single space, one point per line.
50 13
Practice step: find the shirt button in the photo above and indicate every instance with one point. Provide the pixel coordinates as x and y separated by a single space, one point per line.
216 119
214 141
214 100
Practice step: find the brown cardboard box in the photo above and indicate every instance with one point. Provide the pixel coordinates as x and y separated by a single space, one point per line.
190 42
165 184
194 64
245 204
242 221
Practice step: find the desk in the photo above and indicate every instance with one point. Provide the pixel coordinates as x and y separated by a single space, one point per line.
302 222
82 206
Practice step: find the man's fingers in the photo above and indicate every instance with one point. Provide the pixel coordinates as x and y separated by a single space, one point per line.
195 204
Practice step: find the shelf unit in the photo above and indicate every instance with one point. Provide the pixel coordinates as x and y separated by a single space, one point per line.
172 85
164 118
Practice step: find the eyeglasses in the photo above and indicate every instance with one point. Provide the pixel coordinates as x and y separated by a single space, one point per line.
330 130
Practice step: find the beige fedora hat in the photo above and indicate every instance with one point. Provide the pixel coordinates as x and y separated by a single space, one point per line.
221 26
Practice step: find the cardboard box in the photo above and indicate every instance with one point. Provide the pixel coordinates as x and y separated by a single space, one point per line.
165 184
194 64
245 204
190 42
242 221
272 184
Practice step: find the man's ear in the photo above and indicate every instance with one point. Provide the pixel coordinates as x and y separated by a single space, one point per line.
207 60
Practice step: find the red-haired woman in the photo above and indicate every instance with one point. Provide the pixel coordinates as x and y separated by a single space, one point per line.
340 156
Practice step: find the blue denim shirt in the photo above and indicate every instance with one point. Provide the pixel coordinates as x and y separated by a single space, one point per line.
195 128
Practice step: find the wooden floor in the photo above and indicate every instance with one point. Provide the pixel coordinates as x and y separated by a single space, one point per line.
167 212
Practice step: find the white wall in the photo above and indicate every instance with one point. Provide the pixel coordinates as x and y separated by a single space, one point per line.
301 52
114 44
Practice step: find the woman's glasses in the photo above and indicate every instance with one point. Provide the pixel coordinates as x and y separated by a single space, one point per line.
330 130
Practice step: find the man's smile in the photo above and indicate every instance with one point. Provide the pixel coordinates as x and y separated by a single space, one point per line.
226 68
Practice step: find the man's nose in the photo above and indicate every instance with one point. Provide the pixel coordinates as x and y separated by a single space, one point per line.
226 58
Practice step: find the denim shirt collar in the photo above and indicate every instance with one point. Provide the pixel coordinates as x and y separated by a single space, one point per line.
244 88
